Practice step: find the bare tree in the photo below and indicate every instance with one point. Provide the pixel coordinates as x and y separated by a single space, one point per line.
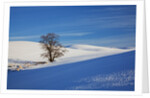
52 47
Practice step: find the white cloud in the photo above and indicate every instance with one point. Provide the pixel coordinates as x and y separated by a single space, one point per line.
24 37
61 34
75 34
126 40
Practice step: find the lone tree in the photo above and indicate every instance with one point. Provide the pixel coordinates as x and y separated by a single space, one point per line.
52 47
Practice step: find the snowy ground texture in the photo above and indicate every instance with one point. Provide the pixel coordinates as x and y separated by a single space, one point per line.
25 54
93 68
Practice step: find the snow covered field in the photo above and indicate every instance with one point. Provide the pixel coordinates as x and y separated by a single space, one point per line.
23 52
114 72
83 67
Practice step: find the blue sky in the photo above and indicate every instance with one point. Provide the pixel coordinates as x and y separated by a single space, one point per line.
112 26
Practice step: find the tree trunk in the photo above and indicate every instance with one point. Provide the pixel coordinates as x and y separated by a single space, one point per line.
50 56
51 60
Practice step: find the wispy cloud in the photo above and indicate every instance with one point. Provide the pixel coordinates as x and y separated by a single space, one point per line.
75 34
71 34
126 40
24 37
107 22
89 22
113 9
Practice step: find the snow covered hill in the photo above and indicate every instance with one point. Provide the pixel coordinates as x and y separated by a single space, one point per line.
115 72
84 67
23 51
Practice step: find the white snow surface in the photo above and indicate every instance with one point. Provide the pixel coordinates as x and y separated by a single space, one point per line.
25 51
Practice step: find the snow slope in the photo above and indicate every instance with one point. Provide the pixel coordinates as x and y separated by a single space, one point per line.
26 51
23 51
115 72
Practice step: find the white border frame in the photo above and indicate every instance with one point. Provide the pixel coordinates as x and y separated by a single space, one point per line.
139 45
